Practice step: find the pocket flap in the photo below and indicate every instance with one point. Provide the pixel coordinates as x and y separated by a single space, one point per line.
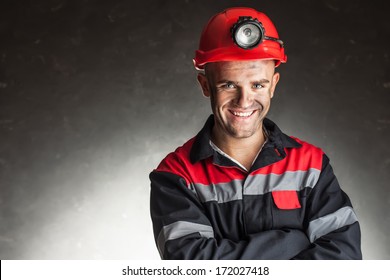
286 199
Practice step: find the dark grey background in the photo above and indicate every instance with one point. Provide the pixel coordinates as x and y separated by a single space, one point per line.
93 94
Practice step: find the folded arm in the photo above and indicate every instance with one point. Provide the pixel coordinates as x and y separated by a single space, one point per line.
332 226
183 231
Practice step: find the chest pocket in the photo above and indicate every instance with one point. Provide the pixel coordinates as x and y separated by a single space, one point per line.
286 209
286 200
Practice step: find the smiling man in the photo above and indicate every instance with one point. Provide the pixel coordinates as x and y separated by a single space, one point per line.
242 189
240 94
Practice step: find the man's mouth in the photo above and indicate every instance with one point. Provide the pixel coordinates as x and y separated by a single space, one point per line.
242 114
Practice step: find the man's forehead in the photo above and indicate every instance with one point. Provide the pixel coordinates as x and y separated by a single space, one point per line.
255 67
244 64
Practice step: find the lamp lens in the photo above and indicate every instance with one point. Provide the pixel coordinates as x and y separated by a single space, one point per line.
248 35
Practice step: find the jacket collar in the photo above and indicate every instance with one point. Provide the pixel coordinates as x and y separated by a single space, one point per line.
277 142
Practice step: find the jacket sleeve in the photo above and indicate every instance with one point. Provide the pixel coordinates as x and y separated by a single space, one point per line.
183 231
330 221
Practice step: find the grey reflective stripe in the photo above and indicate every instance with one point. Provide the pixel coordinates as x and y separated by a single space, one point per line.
343 217
222 192
180 229
291 180
256 185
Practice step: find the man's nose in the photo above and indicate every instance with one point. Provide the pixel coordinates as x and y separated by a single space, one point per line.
244 98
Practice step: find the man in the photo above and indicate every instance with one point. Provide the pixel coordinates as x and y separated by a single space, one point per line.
241 189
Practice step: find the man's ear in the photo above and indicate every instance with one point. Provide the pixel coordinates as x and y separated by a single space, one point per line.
275 80
204 84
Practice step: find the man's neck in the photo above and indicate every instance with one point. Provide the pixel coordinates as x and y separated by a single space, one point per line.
243 150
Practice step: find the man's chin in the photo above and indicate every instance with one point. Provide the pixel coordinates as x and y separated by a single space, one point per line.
241 134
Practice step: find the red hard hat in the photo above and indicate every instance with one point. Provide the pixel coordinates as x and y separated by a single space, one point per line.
217 43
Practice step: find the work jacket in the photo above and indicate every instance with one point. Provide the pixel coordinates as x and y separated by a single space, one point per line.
289 205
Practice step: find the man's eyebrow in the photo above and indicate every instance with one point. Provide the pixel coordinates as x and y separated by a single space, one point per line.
225 81
262 81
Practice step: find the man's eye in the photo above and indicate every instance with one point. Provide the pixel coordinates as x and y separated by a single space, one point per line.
257 86
229 85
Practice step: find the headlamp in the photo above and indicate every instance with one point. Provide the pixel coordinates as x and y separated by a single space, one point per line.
248 33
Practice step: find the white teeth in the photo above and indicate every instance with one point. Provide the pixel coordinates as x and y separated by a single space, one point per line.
241 114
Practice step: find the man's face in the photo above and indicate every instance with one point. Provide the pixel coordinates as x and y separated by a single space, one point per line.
240 93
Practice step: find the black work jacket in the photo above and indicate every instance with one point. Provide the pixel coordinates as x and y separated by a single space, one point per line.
289 205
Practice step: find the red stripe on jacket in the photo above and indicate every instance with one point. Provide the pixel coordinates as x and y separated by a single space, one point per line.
205 172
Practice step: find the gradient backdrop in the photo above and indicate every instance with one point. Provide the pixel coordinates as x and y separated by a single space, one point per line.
93 94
